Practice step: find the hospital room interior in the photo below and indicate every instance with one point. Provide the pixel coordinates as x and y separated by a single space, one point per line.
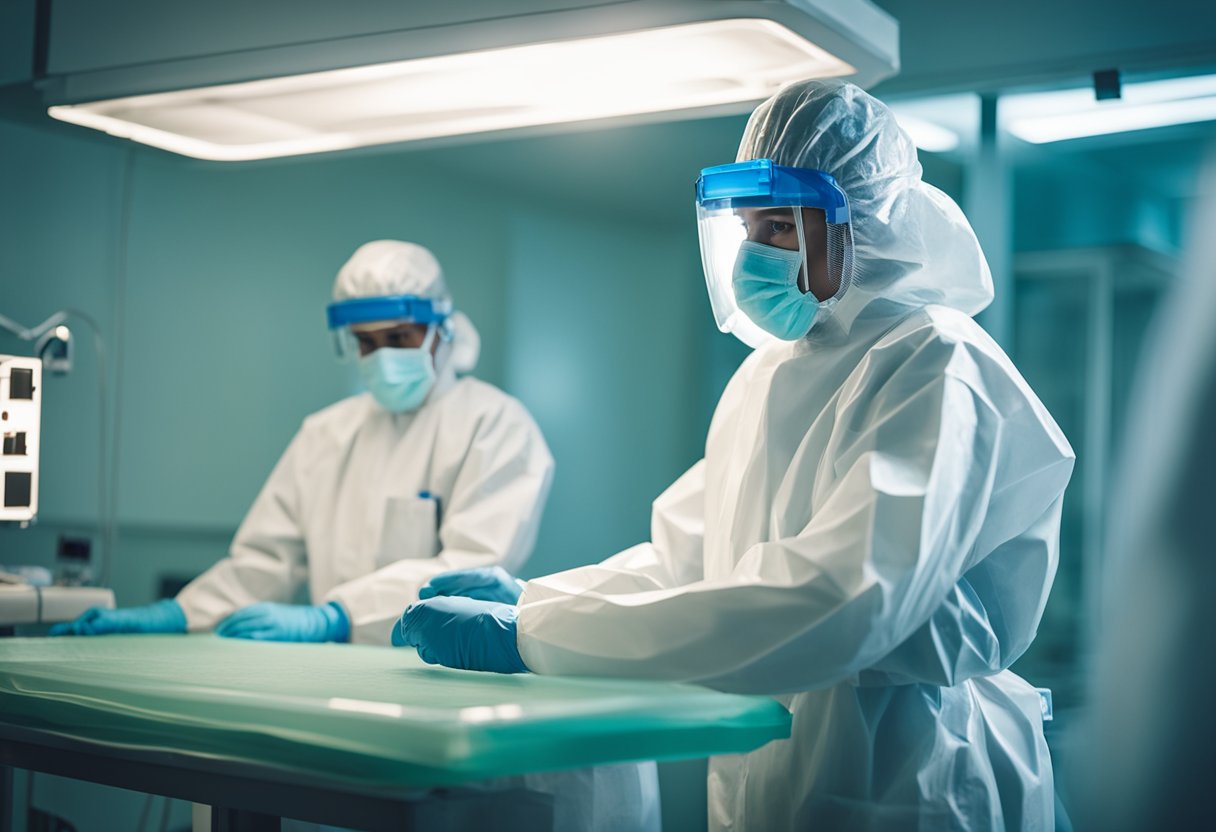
278 278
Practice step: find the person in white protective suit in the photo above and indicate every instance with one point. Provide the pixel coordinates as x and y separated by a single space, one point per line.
425 473
873 532
375 494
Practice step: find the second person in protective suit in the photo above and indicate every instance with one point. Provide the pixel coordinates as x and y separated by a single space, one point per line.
424 473
874 530
376 494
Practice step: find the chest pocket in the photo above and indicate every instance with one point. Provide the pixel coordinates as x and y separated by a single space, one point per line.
410 530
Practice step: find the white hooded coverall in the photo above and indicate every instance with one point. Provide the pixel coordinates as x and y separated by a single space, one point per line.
870 537
344 513
365 506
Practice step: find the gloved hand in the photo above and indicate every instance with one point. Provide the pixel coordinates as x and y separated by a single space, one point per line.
287 622
162 617
462 632
490 583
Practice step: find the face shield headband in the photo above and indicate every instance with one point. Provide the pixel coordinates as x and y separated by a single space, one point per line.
388 310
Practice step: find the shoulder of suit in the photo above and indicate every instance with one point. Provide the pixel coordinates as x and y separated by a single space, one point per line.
327 428
937 342
941 341
469 400
940 330
340 419
476 397
342 412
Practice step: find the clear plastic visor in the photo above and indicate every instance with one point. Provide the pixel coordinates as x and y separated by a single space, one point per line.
356 340
723 230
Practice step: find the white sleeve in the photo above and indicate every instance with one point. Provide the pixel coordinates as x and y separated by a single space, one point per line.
672 558
491 517
266 561
981 627
918 461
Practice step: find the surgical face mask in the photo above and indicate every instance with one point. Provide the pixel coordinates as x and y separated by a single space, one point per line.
765 284
400 379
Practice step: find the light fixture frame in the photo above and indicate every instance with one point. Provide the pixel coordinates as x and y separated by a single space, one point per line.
855 31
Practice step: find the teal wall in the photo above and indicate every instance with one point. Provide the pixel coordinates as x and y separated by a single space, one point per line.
605 349
218 348
1065 201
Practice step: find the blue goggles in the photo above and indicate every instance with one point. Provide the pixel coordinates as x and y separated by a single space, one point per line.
762 184
407 308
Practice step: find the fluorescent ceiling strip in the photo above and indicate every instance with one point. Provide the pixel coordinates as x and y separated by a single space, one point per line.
1072 114
684 67
926 135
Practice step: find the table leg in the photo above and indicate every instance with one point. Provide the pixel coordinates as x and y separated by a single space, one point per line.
239 820
6 799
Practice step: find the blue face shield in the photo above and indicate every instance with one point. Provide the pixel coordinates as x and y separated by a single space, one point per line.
400 379
384 310
754 286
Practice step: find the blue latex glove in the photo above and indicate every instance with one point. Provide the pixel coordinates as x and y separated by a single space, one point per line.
287 622
162 617
463 633
491 583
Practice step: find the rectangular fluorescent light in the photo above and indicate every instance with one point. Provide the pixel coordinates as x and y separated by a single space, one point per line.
926 135
1072 114
691 66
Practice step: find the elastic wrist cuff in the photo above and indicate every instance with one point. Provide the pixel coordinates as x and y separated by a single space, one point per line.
174 615
339 622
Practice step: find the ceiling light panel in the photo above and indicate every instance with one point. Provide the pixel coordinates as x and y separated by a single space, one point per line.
684 67
1072 114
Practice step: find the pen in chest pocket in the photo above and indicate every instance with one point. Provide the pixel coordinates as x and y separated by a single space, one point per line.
426 495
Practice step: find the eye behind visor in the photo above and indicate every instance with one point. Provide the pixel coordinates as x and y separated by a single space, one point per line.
406 336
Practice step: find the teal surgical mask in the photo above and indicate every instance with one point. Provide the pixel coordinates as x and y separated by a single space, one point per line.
399 379
765 283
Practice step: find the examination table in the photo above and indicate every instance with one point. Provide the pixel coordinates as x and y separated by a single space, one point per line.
362 737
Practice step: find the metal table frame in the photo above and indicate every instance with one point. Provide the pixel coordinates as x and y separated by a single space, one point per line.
252 798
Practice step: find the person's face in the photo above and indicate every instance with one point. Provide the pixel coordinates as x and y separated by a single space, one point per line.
372 336
775 227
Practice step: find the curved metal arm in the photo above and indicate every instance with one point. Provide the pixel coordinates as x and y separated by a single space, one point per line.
38 331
